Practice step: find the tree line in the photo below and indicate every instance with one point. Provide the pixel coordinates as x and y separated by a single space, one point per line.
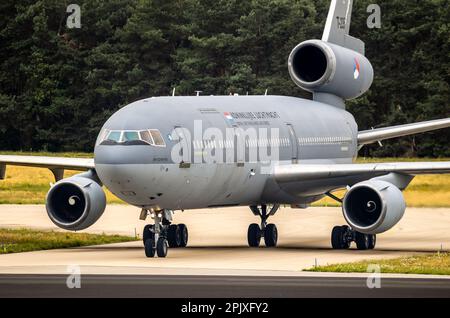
58 84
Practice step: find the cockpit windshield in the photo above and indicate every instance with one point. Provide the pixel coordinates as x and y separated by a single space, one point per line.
150 137
114 136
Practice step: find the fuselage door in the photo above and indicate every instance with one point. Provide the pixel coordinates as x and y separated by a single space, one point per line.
294 143
239 147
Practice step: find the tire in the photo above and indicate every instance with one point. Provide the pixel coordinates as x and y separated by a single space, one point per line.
254 235
148 233
362 241
372 241
162 247
173 236
149 248
347 243
184 235
271 235
338 239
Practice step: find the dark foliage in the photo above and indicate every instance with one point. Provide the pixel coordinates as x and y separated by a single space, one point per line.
58 85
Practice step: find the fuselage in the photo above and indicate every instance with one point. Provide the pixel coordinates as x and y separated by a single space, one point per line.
219 150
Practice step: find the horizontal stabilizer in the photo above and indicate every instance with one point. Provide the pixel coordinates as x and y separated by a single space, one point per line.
379 134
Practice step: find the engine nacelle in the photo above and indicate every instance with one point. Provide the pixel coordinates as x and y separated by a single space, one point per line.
76 203
373 206
323 67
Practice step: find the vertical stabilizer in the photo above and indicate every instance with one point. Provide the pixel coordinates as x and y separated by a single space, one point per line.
337 27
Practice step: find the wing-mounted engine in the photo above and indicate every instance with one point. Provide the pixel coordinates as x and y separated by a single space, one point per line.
322 67
76 203
373 206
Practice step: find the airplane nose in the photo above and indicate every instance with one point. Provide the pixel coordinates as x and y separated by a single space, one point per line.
121 155
124 172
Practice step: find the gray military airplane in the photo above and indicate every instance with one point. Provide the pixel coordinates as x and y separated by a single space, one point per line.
171 154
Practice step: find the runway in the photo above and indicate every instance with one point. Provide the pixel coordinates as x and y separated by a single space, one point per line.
218 256
218 286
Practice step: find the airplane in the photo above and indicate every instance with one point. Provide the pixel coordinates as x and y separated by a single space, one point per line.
167 154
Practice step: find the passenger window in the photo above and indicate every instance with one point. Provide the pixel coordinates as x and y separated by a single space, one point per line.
145 136
157 138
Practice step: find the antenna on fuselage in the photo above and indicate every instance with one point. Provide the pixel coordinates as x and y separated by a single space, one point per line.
267 90
173 91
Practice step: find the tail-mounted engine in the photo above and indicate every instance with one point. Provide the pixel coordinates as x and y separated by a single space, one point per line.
322 67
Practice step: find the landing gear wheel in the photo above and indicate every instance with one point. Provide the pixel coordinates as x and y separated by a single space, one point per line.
173 236
162 247
271 235
184 236
362 241
254 235
339 239
372 241
149 248
148 233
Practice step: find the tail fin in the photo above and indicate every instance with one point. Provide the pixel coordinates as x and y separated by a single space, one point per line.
337 27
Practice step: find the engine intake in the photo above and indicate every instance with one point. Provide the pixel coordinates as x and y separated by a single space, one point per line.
373 207
323 67
76 203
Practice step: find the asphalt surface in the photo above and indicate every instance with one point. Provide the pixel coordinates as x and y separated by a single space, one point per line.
217 286
218 242
218 262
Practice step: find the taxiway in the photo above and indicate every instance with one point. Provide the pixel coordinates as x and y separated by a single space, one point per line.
218 245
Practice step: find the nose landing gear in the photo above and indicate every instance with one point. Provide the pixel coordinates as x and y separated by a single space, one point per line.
268 231
343 236
160 236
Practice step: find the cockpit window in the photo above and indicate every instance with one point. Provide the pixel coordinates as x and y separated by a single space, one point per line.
132 137
145 136
114 136
157 138
104 133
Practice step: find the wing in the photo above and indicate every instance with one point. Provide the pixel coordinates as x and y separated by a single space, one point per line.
56 164
322 179
375 135
299 172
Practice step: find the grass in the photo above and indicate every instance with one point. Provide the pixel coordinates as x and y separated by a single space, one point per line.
29 185
432 264
26 240
49 154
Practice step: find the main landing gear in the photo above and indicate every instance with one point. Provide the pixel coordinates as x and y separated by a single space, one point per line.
343 236
160 236
268 231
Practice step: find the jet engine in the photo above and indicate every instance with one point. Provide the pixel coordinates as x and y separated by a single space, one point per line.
373 206
323 67
76 203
